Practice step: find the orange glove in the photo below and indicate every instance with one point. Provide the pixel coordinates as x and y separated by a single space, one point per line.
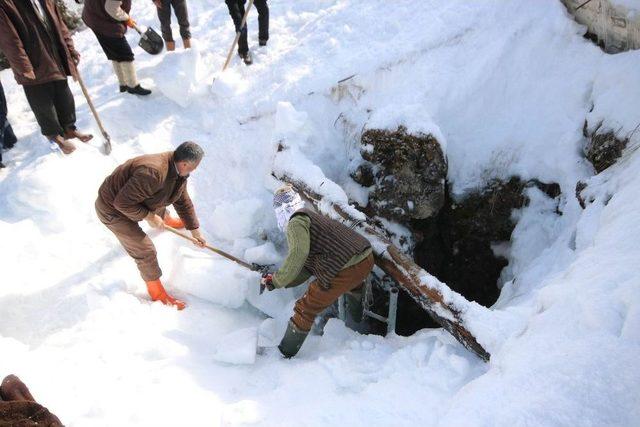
131 23
173 222
158 293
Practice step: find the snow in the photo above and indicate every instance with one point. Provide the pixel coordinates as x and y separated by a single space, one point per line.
238 347
508 85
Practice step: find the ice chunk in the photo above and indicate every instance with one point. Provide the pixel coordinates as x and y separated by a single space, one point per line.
217 280
180 76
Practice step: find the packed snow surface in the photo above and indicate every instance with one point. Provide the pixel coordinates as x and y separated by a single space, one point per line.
507 84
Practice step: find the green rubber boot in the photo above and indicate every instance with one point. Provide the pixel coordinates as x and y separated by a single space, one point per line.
292 340
353 305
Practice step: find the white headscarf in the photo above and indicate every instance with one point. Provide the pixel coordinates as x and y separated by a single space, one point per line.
286 202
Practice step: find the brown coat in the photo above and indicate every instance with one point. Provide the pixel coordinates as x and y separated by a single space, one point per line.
138 186
145 184
30 53
96 17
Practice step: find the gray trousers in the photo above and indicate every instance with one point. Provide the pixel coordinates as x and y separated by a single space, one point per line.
53 105
181 12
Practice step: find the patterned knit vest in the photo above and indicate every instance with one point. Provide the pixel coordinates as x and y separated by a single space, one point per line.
332 245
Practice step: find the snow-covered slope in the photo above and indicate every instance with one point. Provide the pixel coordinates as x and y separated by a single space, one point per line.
507 83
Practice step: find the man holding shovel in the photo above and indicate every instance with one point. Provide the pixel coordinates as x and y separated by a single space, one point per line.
41 53
141 189
338 257
109 20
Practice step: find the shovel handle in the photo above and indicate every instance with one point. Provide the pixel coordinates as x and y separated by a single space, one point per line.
211 248
135 27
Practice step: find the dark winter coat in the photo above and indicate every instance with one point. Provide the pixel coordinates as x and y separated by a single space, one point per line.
7 137
332 245
96 17
145 184
37 53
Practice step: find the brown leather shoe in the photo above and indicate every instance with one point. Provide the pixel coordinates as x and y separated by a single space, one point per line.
65 146
171 46
186 43
73 133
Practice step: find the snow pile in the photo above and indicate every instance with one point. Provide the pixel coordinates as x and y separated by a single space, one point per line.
508 85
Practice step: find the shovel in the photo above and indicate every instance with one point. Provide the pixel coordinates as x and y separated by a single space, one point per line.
106 146
150 40
236 39
262 269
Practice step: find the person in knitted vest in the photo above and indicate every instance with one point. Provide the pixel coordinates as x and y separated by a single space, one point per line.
338 257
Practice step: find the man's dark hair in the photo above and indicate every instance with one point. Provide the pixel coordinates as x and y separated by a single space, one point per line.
188 152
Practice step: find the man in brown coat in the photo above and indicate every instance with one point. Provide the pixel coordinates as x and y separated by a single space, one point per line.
142 188
40 50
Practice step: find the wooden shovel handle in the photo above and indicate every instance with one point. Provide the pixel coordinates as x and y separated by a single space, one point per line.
211 248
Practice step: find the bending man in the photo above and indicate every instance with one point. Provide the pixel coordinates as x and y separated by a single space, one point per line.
338 257
140 189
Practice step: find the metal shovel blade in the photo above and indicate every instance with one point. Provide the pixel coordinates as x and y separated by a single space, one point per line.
151 41
106 146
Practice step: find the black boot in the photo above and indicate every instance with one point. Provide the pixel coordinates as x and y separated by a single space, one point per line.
292 340
123 89
138 90
262 42
246 57
353 305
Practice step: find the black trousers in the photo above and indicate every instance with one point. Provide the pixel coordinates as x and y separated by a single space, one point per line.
53 105
116 48
236 10
182 14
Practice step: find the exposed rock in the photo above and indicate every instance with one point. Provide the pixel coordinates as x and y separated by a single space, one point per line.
458 246
408 172
604 147
580 186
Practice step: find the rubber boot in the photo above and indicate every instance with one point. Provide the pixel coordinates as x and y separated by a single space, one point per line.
158 293
129 73
186 43
292 340
171 46
172 222
117 68
354 306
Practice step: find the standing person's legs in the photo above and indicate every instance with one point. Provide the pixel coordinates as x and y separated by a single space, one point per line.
182 14
41 100
65 107
137 244
236 10
119 52
263 21
164 15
